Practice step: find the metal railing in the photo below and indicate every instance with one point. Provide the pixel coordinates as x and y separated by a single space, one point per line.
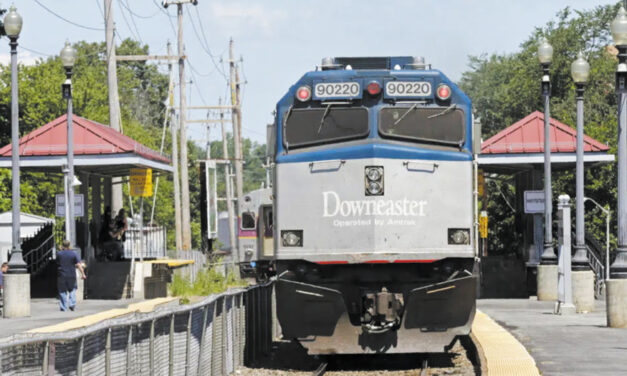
154 242
38 258
211 337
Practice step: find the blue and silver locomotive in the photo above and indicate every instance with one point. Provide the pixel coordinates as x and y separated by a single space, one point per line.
373 208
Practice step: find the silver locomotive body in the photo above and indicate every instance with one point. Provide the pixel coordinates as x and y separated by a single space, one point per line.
373 229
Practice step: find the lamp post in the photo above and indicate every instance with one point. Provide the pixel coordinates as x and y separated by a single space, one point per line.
618 269
17 281
68 56
616 299
545 55
580 71
12 27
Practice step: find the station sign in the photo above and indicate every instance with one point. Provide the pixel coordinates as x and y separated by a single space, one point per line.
60 205
480 183
534 202
483 224
141 182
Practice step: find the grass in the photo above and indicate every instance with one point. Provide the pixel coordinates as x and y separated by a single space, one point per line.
208 281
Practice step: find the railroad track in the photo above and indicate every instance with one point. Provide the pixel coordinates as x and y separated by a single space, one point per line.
320 370
288 360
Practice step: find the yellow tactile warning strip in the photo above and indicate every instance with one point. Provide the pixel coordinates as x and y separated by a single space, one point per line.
172 263
502 354
81 322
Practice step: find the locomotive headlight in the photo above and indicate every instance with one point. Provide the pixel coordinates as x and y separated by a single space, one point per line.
374 188
373 174
292 238
458 236
374 181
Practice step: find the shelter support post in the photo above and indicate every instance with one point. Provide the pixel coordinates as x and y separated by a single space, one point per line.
85 246
96 212
107 193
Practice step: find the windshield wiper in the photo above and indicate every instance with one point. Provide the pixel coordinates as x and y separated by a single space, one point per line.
287 115
326 112
405 113
444 112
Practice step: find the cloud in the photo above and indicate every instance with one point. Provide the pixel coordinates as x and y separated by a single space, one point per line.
25 58
239 18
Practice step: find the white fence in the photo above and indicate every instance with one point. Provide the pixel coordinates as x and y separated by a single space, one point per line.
154 242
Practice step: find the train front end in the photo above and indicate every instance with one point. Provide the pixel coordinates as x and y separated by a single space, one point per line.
374 208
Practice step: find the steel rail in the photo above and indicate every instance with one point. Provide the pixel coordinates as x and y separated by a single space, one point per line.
320 370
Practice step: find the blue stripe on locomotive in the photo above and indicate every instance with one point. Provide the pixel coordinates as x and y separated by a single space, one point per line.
375 150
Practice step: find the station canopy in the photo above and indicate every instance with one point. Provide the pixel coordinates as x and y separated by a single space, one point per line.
98 150
521 147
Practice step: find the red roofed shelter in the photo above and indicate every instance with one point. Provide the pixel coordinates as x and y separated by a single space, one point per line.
100 153
521 146
519 150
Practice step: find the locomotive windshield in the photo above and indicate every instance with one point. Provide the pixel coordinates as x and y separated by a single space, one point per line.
443 125
313 126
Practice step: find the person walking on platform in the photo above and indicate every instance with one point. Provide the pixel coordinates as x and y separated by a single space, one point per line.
3 270
67 263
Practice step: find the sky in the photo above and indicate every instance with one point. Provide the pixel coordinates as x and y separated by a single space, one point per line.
279 40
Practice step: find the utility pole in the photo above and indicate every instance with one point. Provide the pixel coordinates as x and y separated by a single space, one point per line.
236 119
175 159
186 218
229 187
114 99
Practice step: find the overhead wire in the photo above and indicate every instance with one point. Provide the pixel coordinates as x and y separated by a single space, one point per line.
130 12
67 20
204 44
136 36
128 7
167 15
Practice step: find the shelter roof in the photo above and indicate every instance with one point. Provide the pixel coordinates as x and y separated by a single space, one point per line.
527 136
521 147
98 149
29 223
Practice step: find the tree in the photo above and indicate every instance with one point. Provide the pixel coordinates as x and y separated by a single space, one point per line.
506 87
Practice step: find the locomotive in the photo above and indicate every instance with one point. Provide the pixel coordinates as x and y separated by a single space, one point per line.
373 216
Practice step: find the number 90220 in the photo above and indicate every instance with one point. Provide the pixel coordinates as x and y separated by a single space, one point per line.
408 88
337 90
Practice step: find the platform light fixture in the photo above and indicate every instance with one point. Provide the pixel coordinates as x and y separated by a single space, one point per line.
580 72
68 58
618 27
12 27
545 55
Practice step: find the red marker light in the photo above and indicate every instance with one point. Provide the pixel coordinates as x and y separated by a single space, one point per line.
303 93
443 92
373 88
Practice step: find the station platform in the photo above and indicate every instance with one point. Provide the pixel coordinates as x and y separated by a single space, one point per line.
46 316
573 345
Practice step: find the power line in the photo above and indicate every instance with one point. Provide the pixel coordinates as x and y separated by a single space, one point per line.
128 7
197 72
137 36
205 45
132 18
34 51
66 20
166 14
197 88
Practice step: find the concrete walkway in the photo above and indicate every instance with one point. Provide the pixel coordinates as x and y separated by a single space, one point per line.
46 312
579 344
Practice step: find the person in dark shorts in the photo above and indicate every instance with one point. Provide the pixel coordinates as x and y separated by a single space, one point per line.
67 263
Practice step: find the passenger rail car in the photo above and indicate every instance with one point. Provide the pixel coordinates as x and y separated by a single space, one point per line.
373 208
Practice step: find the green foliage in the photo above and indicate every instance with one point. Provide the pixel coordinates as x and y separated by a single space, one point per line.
208 281
506 87
143 90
